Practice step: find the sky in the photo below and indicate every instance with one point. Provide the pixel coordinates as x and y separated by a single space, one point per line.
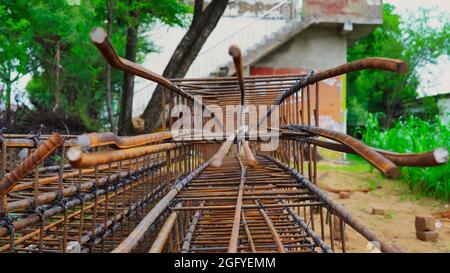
435 79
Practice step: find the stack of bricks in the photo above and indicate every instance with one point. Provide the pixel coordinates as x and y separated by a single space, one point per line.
426 228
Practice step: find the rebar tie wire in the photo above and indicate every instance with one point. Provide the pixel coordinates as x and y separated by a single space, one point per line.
36 138
7 222
79 194
37 210
62 203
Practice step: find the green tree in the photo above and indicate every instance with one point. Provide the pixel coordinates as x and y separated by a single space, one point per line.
138 15
14 44
69 76
413 41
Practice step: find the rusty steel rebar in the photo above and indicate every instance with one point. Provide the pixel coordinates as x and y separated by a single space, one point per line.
92 140
154 193
340 210
99 38
232 248
391 65
379 161
30 163
79 159
435 157
386 64
272 228
69 191
137 234
235 52
190 232
217 159
163 234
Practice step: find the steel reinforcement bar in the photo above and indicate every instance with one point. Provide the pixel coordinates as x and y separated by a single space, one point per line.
432 158
380 162
137 234
386 64
30 163
99 38
78 159
92 140
337 208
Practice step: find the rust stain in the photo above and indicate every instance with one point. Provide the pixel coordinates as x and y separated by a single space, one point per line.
331 7
335 6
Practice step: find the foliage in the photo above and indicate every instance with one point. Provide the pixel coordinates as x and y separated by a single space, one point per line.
14 44
412 40
30 34
413 135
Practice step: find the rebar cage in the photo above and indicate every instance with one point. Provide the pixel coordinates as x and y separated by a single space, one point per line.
100 192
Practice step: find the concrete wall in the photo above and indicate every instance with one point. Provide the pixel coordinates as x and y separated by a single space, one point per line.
317 48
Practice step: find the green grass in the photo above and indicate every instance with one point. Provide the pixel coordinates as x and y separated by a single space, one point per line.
415 135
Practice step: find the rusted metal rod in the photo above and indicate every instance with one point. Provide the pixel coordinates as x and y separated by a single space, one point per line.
30 142
386 64
380 162
235 52
247 232
87 141
190 233
137 234
99 38
69 191
249 157
232 247
30 163
56 209
163 235
272 228
325 248
216 160
78 159
232 207
435 157
336 208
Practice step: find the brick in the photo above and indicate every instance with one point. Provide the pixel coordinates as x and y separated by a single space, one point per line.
425 223
427 235
378 211
344 195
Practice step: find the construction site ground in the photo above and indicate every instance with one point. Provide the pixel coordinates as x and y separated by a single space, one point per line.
399 203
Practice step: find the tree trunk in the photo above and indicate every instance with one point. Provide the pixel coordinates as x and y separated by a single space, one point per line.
57 61
125 121
108 73
203 23
8 103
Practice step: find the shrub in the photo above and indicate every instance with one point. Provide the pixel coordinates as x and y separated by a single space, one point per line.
413 135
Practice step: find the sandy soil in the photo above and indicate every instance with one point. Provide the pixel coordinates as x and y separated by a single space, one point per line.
401 207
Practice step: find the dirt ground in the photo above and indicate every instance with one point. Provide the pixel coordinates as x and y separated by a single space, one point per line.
400 205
